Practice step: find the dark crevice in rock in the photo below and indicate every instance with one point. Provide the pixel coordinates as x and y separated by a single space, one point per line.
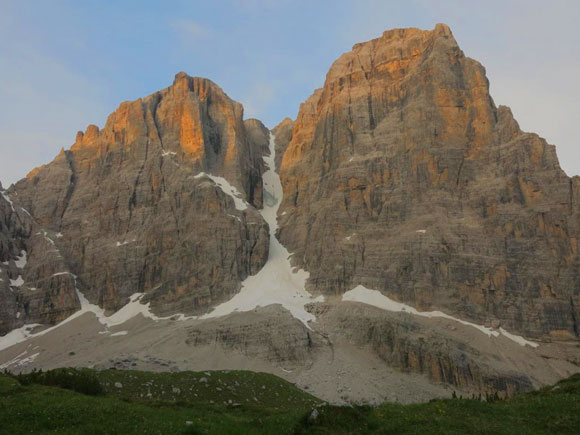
71 187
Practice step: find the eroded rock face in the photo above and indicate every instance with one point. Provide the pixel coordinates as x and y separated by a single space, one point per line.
402 175
35 284
283 134
412 346
135 214
286 341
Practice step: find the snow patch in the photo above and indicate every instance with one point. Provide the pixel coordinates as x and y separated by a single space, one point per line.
228 189
58 235
421 231
276 282
518 339
130 310
13 360
7 198
21 260
28 360
125 242
17 336
45 235
17 282
168 153
377 299
118 334
127 312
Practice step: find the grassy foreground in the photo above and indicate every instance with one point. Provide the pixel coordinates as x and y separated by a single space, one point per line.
238 402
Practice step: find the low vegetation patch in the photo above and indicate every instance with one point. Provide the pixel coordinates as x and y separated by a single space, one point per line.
81 381
84 401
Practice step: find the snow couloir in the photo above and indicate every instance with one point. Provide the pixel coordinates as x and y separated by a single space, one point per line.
277 283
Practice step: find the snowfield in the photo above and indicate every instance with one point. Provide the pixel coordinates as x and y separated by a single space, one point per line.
18 335
377 299
228 189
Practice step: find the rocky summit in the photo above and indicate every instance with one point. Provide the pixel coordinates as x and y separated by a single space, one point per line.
400 236
402 175
132 208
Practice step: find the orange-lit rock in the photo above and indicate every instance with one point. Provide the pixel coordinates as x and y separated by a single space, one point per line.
404 137
132 215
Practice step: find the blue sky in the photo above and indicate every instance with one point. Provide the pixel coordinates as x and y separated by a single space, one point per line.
66 64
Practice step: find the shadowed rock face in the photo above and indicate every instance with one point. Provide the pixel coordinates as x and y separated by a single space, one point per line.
35 286
135 216
283 133
402 175
287 342
434 352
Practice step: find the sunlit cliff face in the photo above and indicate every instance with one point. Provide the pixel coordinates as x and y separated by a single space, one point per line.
426 190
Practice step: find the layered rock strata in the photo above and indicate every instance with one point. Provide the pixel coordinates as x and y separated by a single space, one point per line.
283 135
35 285
402 175
161 201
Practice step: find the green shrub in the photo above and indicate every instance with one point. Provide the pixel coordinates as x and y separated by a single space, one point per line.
81 381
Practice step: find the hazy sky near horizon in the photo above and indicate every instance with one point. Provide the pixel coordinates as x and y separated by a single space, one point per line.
65 64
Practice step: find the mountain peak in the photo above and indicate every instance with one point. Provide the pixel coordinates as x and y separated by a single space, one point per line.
181 75
395 52
442 29
409 33
201 86
403 140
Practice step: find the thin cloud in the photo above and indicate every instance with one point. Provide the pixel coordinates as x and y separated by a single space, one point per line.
261 6
258 99
49 103
190 31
